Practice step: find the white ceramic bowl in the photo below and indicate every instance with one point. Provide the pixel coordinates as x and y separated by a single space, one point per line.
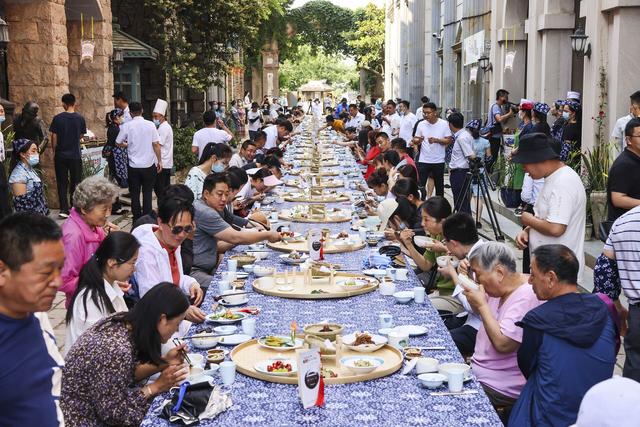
258 254
196 359
425 365
249 267
204 342
225 330
442 261
465 280
233 299
432 380
403 297
444 368
349 363
422 241
263 271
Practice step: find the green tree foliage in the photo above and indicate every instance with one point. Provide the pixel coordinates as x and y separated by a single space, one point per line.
309 65
366 38
200 37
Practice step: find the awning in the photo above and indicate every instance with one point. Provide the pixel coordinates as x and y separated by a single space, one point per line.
131 47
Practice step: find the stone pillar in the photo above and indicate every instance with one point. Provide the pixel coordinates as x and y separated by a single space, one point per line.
92 81
270 67
37 65
414 49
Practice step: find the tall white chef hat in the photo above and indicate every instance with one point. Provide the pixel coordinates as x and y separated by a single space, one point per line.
573 95
161 107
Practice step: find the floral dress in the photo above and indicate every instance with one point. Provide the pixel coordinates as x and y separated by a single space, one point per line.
33 200
98 384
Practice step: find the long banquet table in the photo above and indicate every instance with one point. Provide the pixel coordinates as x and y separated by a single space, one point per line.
395 400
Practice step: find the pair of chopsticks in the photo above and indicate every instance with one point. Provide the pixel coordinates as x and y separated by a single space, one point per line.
177 342
219 297
431 348
450 393
190 337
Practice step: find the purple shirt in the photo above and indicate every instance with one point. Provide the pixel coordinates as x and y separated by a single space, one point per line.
500 371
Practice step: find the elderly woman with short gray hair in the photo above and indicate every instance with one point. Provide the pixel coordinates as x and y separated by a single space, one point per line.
85 228
502 299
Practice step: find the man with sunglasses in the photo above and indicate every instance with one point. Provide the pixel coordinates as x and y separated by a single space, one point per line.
159 259
214 235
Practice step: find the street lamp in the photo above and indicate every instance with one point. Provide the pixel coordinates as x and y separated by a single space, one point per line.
117 59
484 63
579 43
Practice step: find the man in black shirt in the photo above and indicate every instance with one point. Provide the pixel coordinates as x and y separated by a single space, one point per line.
623 190
66 130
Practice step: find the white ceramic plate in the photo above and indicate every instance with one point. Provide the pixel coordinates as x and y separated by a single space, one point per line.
375 272
285 259
378 340
210 318
224 303
298 343
262 367
225 330
351 284
234 339
411 330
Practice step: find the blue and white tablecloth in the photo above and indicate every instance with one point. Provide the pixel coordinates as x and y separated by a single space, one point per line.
396 400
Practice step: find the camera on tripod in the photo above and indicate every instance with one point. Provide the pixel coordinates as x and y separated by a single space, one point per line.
475 165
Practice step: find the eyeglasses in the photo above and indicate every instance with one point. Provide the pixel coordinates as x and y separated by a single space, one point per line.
179 229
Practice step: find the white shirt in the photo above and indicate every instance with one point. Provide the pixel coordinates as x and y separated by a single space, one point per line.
316 108
407 122
206 135
355 122
82 321
166 144
419 113
462 149
618 130
473 319
237 160
393 128
126 115
140 134
255 126
562 200
432 153
272 137
246 192
247 102
530 189
195 181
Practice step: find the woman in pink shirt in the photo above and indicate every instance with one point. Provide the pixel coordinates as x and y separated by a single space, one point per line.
502 300
85 228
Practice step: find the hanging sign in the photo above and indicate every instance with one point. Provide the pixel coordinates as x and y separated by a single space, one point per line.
508 60
473 47
473 74
87 47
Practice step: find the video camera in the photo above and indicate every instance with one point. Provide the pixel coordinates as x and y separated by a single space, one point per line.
513 107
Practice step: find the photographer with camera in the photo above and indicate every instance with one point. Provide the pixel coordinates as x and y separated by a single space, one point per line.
462 156
493 126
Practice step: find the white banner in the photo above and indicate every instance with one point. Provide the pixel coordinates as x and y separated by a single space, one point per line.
473 47
473 74
508 60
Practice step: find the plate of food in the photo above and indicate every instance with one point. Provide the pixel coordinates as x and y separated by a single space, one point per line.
225 316
291 236
294 257
362 364
234 339
280 342
364 342
353 283
277 367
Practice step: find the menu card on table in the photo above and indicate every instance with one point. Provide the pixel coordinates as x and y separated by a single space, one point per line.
315 244
310 381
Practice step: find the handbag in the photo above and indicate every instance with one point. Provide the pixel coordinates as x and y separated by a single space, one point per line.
187 403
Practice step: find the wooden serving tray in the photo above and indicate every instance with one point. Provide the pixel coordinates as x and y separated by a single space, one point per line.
314 218
317 199
333 184
269 286
319 173
247 354
303 246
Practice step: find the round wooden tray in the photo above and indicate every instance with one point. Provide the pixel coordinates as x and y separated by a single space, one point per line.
317 199
247 354
314 219
333 184
303 246
321 173
325 164
269 286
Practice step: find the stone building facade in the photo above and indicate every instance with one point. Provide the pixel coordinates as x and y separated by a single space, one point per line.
534 32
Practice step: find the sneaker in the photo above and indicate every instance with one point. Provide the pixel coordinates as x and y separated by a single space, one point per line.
478 225
63 215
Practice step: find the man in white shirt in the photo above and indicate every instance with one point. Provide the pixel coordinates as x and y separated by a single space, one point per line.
277 132
407 122
246 154
255 120
166 143
423 101
390 120
120 101
618 130
355 118
560 210
210 133
459 164
432 137
142 141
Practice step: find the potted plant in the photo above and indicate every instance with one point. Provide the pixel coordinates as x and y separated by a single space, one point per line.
596 163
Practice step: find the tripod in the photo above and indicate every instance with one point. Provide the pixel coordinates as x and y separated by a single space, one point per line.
476 175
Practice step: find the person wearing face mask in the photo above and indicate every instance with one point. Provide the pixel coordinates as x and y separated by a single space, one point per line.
572 135
558 124
117 159
215 159
26 185
163 180
5 207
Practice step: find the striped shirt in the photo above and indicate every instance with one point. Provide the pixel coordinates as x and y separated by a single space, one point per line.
624 241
